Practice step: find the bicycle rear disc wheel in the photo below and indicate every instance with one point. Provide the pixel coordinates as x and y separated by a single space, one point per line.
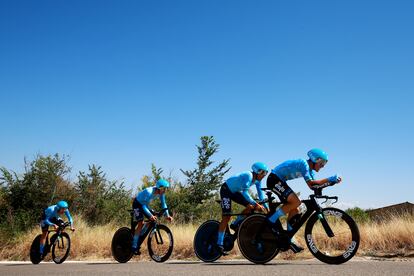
332 250
60 247
257 242
205 241
160 243
121 245
35 257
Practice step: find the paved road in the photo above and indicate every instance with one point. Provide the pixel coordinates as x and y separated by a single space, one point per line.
236 267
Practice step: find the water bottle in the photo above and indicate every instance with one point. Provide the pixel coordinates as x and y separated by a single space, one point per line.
302 208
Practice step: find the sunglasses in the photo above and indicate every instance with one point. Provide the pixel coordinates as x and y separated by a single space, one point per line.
322 163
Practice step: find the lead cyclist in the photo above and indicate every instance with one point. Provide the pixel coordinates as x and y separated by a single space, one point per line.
292 169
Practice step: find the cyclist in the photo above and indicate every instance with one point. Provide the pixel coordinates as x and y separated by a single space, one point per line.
140 207
51 217
236 189
292 169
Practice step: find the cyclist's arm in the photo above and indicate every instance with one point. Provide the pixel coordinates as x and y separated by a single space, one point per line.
309 178
245 180
48 222
247 196
260 193
317 183
146 210
67 213
164 205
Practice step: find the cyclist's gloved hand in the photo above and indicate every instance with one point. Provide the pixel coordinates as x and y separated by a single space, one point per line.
259 207
334 179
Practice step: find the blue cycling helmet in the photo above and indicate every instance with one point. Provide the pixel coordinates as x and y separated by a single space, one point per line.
259 166
317 156
162 183
62 204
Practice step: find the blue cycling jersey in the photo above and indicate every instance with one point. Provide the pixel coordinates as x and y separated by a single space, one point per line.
52 212
294 169
242 182
146 196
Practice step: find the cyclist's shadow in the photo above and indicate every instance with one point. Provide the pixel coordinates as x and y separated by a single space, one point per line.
232 263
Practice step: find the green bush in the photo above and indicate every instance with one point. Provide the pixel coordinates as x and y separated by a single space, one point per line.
25 196
44 182
99 200
358 214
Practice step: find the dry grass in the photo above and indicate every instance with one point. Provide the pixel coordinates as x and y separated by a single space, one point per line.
394 237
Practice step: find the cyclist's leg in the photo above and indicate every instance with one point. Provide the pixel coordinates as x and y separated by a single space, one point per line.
285 194
240 199
291 208
293 203
290 204
139 218
225 195
43 237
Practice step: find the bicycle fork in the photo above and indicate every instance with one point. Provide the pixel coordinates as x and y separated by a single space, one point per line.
158 236
59 241
325 225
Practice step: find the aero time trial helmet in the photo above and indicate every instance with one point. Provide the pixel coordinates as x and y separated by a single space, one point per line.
258 167
162 183
62 204
318 156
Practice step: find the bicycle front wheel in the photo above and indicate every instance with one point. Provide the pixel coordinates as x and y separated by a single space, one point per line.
60 247
256 240
160 243
339 248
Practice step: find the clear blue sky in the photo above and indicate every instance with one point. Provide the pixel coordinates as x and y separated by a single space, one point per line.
124 84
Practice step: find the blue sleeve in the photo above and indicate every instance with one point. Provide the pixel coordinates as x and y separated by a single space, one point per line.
305 171
48 216
48 222
164 204
69 217
247 196
146 210
260 193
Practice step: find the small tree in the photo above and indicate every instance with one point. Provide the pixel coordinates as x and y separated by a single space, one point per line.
205 179
150 180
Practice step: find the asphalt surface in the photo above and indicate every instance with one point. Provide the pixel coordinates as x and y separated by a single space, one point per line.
189 268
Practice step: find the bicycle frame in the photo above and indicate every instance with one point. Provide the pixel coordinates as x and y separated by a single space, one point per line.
58 231
148 226
312 206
